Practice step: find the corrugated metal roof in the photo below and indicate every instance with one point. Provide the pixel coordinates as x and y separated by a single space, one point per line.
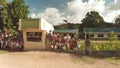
86 30
30 23
67 31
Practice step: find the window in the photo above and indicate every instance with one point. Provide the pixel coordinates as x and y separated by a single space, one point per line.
34 36
100 35
108 35
91 35
118 36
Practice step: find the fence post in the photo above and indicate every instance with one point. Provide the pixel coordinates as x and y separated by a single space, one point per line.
87 45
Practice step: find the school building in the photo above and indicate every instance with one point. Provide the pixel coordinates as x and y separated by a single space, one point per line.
34 33
101 33
72 32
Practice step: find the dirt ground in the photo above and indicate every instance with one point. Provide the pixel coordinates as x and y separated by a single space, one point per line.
44 59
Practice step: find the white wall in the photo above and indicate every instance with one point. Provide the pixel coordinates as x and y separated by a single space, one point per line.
45 25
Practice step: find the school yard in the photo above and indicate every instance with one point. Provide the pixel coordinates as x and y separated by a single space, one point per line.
48 59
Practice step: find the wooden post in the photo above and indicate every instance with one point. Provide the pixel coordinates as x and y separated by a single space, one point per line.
87 45
85 36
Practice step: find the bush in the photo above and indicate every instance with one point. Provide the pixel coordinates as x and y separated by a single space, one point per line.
112 44
106 46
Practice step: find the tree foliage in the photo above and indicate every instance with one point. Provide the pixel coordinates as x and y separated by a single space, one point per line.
18 10
3 2
10 13
3 13
112 36
93 19
67 26
117 21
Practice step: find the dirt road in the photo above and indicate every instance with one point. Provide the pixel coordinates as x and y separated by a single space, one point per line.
42 59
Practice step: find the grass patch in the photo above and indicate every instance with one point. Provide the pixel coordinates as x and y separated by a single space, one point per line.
113 60
3 51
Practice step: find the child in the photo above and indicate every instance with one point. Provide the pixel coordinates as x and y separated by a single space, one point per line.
71 43
78 44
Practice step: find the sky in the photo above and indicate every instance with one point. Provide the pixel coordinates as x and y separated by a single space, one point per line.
55 11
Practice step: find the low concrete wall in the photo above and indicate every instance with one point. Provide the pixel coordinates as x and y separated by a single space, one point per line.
115 53
32 45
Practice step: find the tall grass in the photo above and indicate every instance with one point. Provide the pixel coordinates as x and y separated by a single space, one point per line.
102 45
105 46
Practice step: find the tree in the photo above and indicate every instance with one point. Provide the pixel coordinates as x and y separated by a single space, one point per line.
10 13
3 2
3 13
117 21
93 19
67 26
5 20
18 10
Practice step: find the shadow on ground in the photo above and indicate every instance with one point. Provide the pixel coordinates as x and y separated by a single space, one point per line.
96 54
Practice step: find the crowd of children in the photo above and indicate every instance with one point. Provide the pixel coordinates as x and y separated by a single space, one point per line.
56 41
8 42
66 41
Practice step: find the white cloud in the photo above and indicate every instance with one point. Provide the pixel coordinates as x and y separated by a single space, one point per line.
33 15
112 12
110 16
77 9
52 15
115 1
116 5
